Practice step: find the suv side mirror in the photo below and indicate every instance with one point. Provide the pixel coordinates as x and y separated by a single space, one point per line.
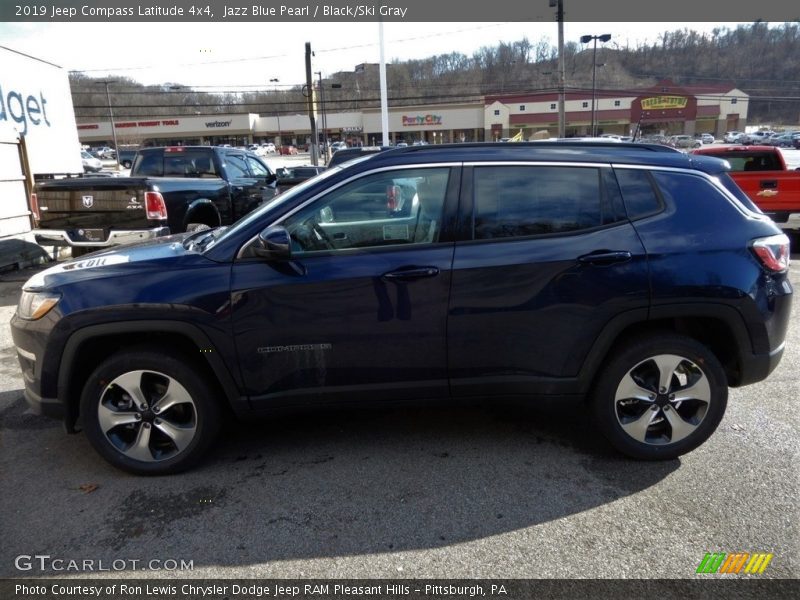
274 243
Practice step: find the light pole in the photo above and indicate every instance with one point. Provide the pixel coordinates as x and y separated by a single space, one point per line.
584 39
278 116
111 116
562 122
324 119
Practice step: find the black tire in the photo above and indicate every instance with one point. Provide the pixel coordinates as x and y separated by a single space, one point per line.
196 421
642 428
127 164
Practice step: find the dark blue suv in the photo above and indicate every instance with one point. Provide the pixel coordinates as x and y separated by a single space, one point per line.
634 276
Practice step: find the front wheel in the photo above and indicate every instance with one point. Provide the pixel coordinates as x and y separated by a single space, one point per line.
149 413
660 398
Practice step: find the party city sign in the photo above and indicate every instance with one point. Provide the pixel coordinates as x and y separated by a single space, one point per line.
421 120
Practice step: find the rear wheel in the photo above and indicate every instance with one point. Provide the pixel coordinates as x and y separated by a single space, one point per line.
149 413
660 398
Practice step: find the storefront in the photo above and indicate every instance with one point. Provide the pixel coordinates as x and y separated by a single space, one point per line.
664 109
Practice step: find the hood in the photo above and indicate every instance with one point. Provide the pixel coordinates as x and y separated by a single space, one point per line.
166 252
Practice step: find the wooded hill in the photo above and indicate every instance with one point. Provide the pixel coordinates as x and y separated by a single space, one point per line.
760 60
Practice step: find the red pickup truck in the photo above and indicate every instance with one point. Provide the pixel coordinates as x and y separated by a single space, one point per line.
761 173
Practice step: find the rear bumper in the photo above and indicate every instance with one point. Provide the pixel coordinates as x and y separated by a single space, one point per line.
60 237
759 366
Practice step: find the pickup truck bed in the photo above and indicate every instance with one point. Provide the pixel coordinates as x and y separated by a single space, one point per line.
96 212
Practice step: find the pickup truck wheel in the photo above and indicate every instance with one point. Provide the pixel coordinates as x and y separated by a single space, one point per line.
127 164
149 413
661 397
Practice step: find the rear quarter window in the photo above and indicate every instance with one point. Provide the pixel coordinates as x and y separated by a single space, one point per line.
690 190
638 193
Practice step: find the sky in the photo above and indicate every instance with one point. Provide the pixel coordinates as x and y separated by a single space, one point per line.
245 56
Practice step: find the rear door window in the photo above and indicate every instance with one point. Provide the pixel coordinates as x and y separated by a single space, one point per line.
519 201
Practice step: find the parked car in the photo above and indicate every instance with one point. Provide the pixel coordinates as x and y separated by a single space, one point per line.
732 137
126 158
684 141
288 150
170 190
706 138
288 177
90 163
762 174
782 140
629 274
336 146
268 148
104 153
346 154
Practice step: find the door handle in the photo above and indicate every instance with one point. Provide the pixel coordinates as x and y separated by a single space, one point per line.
605 258
410 274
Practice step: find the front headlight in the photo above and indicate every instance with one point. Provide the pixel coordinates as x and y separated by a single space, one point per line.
35 305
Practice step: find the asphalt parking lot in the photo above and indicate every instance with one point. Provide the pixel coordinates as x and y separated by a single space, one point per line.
490 491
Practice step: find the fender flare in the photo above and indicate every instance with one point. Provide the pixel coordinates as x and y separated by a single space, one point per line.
198 204
70 356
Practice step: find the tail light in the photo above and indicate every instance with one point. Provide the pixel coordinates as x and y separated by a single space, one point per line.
773 252
35 209
154 204
171 149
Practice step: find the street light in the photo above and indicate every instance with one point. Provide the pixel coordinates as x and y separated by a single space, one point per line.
111 116
278 115
585 39
324 120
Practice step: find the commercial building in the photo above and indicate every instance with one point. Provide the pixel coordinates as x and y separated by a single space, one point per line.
665 109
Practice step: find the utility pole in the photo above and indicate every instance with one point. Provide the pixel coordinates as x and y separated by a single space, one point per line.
111 116
311 118
384 101
278 115
562 122
324 120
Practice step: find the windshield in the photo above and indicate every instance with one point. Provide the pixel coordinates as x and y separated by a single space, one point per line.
245 221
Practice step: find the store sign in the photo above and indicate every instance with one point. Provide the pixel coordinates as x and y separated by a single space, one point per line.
129 124
664 102
421 120
217 124
351 130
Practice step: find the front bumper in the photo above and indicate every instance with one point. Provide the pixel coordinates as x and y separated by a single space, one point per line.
60 237
29 341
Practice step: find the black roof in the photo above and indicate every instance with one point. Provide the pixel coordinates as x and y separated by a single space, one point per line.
562 150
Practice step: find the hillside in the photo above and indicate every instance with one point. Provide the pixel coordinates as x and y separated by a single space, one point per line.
762 61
